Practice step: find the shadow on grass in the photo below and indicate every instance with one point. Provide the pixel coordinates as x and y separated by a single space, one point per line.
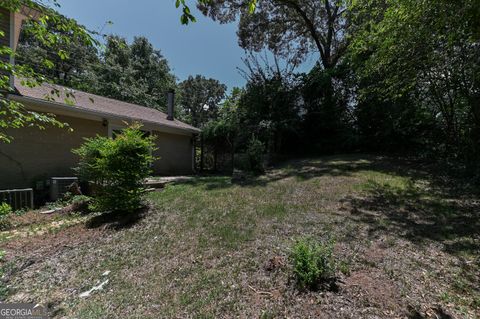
208 182
418 214
117 220
446 210
339 165
304 169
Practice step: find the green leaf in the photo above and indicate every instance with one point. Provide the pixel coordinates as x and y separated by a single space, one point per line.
252 6
48 64
63 54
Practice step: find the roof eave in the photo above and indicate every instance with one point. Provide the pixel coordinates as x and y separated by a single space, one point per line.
77 109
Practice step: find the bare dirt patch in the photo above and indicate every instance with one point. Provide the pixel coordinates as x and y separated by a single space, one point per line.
373 288
47 244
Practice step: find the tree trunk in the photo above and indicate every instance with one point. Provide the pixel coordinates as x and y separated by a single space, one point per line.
475 106
202 149
215 156
233 157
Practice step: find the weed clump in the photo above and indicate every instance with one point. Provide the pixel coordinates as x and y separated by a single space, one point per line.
5 211
313 263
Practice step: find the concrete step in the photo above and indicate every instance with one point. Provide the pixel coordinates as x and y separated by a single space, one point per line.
161 182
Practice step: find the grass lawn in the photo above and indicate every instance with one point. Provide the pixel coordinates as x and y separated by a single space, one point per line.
407 244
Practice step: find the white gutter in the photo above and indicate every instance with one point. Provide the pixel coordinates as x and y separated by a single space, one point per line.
101 115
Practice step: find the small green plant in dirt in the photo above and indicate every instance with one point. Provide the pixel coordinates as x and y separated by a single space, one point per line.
313 263
255 155
117 168
344 267
70 203
5 211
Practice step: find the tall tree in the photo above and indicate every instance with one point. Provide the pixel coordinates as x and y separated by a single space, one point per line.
294 30
427 52
200 98
66 69
270 106
286 26
14 115
135 73
222 132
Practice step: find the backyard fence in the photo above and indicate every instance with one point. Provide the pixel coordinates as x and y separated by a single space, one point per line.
17 198
214 156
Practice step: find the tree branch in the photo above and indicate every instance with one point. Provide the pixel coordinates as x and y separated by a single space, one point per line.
317 38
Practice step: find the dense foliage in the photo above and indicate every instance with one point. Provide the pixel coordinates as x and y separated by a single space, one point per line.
400 76
200 98
135 73
417 67
13 115
117 168
74 60
255 155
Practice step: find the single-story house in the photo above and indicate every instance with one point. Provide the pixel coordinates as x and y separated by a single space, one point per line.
35 155
39 154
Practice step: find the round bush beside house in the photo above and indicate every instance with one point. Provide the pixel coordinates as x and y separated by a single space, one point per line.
117 168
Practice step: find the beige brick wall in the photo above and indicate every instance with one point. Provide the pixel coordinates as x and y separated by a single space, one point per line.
175 152
36 154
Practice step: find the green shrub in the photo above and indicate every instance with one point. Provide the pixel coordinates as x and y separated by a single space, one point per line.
117 168
313 262
5 211
255 155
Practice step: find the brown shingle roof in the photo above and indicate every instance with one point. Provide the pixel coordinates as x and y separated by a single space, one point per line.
100 104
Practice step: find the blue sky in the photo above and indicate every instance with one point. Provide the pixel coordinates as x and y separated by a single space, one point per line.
204 47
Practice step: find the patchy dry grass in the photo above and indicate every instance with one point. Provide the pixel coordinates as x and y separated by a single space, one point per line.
407 245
